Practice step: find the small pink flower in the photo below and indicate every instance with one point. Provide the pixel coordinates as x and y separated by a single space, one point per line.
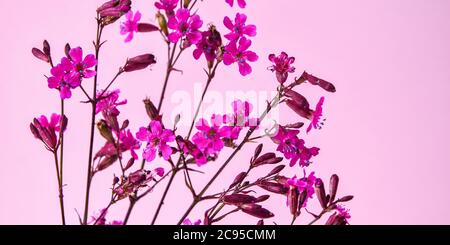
294 148
157 137
240 55
209 139
46 130
241 3
61 79
189 148
209 45
108 102
159 171
282 65
185 25
167 5
80 66
238 29
189 222
130 26
343 212
316 116
303 184
129 143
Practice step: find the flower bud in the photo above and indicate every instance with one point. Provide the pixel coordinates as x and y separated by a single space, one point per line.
300 110
302 200
292 199
125 124
130 164
67 49
46 48
260 222
107 162
139 62
262 198
327 86
105 131
257 151
334 182
162 23
186 3
151 110
320 193
239 178
40 55
276 170
138 177
273 187
256 211
146 27
116 180
345 199
238 199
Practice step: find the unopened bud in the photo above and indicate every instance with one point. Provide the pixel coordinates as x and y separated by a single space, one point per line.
162 23
139 62
334 182
320 193
40 55
186 3
107 162
67 49
151 110
105 131
146 27
46 48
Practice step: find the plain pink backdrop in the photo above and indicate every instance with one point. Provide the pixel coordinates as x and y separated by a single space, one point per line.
387 132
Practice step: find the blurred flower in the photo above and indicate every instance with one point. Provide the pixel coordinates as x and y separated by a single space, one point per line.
241 3
240 55
130 26
239 28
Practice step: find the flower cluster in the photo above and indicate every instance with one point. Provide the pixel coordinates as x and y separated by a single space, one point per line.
69 73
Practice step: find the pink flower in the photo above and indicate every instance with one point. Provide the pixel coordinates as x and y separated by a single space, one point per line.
157 137
209 45
189 148
294 148
60 79
80 66
129 143
282 66
239 29
209 139
108 102
189 222
46 131
130 26
167 5
241 3
234 54
185 25
159 171
343 212
303 184
316 116
99 218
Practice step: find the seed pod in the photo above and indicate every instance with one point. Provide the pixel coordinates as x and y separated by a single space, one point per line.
320 193
334 182
105 131
238 199
151 110
162 23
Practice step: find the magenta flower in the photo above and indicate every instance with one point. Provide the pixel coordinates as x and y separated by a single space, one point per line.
185 25
159 171
157 137
241 55
209 139
80 66
46 131
294 148
238 29
343 211
209 45
108 102
189 222
241 3
189 148
60 79
303 184
129 143
167 5
316 116
130 26
282 65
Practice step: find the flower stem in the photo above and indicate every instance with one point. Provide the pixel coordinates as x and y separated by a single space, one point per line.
225 164
91 142
61 197
161 202
61 155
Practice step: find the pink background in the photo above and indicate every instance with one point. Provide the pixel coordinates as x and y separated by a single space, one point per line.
387 129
